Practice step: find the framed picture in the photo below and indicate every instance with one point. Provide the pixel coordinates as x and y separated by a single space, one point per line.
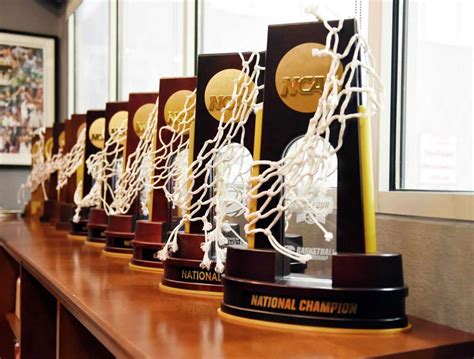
27 92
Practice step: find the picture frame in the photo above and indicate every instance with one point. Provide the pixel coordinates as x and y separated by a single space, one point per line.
27 92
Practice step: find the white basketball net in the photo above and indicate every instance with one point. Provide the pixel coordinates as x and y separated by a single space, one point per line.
169 162
38 175
211 166
300 178
102 166
136 173
42 168
71 160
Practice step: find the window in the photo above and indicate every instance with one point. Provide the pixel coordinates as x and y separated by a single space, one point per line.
424 49
150 44
125 46
425 161
435 120
91 55
246 21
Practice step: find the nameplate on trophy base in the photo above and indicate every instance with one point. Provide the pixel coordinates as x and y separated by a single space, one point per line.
146 244
376 302
183 273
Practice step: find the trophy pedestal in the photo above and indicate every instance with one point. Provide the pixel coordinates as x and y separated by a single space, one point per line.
54 219
183 273
118 236
95 228
148 241
367 293
66 212
78 230
48 208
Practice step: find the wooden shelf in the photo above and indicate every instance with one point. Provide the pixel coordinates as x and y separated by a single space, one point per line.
14 324
9 273
97 307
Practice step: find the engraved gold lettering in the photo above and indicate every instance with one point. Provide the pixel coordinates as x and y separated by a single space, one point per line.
304 305
325 307
302 85
353 308
289 85
217 103
97 137
200 275
172 115
318 84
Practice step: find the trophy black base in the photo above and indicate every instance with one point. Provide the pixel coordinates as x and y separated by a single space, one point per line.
118 237
55 213
367 293
66 212
96 227
48 208
183 274
146 245
78 231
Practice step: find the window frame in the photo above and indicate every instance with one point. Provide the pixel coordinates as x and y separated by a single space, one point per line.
387 38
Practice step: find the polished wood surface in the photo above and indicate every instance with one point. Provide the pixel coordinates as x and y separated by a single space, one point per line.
128 314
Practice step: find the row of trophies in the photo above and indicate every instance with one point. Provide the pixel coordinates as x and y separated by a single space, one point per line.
197 182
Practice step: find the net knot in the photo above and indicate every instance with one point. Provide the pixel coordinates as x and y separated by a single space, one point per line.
206 226
328 236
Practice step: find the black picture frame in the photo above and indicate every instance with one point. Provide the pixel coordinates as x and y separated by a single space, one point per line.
29 66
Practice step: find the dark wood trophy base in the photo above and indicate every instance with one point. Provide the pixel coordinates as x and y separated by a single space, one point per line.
147 243
54 219
96 227
78 231
118 237
367 294
48 208
183 273
66 212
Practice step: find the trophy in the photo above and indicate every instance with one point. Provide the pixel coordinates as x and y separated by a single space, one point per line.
72 159
314 94
129 204
62 222
95 125
37 156
224 126
39 174
45 183
176 107
59 142
108 166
